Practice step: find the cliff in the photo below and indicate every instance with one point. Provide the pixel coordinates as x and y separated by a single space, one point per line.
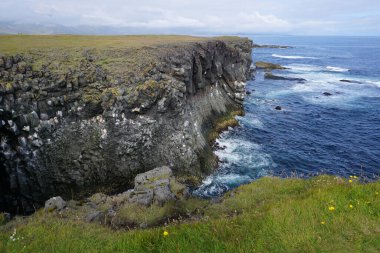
88 115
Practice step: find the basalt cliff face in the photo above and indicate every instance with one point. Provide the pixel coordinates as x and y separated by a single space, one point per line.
93 126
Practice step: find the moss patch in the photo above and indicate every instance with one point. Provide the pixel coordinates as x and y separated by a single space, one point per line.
3 219
223 123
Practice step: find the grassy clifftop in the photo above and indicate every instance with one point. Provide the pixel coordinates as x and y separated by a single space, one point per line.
120 55
323 214
11 44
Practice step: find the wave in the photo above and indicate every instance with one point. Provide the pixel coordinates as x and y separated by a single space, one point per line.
292 56
336 69
375 83
303 67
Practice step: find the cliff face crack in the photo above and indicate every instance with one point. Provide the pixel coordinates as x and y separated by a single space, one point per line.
94 127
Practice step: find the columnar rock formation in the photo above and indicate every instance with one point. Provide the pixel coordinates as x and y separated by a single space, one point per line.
93 127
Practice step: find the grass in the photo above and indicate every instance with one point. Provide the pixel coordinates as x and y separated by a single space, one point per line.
10 44
123 57
269 215
23 43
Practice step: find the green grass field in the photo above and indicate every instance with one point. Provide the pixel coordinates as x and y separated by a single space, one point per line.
322 214
24 43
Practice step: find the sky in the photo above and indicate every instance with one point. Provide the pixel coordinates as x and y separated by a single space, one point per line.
297 17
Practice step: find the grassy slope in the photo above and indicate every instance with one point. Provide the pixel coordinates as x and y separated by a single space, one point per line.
269 215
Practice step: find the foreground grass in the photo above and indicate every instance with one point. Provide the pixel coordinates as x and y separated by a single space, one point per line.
323 214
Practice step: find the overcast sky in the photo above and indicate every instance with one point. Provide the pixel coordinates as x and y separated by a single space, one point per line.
315 17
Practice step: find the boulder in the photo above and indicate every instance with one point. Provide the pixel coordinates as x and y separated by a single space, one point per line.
143 197
95 216
152 178
268 65
98 198
278 108
55 203
162 194
155 187
8 62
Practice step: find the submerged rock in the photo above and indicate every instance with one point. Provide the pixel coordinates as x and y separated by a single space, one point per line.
350 81
327 94
278 108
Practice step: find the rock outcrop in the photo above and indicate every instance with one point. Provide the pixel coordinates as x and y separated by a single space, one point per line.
268 65
285 78
152 191
95 126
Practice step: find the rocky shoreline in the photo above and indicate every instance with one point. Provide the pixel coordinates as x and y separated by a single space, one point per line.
78 123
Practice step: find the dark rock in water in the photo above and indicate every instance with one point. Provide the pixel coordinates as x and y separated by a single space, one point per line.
55 203
279 108
327 94
248 92
350 81
268 65
274 77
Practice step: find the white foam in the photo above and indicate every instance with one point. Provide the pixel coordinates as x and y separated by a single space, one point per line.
303 68
336 69
375 83
294 57
252 120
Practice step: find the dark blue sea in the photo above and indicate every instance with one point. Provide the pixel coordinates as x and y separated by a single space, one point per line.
337 134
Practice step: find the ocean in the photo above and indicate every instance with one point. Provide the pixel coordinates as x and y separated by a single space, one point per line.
314 133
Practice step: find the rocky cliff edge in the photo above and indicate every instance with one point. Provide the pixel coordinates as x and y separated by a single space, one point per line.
74 121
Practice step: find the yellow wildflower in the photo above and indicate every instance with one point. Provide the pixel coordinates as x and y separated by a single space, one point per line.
351 176
331 208
355 177
351 206
166 233
377 193
323 222
350 181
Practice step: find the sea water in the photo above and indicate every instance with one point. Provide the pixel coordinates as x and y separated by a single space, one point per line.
337 134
